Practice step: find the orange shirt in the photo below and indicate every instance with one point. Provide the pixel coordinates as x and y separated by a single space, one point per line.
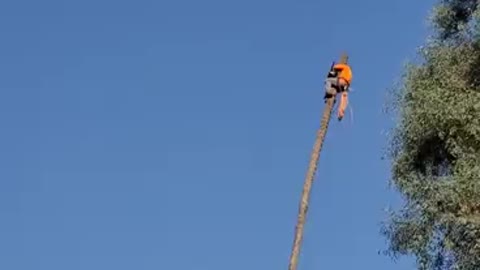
345 72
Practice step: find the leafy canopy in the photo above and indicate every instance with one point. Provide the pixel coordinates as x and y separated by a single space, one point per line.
435 148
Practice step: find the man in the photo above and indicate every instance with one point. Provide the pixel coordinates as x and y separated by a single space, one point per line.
338 81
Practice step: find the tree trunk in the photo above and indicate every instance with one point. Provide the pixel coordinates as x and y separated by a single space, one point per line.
307 187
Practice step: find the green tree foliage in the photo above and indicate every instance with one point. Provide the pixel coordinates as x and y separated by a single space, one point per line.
435 149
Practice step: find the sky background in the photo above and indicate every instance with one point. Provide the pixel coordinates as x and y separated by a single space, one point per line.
176 134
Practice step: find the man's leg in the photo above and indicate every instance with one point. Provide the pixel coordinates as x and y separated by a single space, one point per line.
330 87
343 104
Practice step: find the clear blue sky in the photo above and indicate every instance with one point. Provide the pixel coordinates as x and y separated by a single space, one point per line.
176 134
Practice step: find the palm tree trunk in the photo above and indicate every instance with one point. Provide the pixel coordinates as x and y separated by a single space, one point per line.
312 168
307 187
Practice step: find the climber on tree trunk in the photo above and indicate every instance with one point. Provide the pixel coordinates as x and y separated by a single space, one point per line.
338 81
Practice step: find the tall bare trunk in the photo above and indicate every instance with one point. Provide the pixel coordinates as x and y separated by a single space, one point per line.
307 187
